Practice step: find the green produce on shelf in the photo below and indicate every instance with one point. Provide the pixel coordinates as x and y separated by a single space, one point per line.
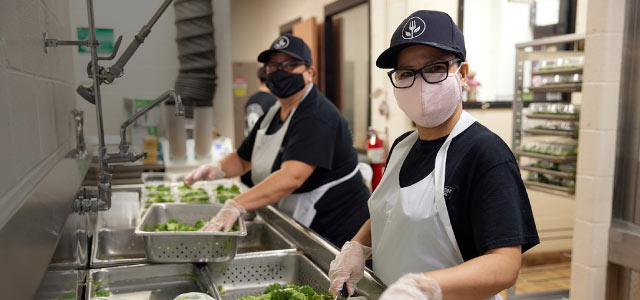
223 194
542 127
553 150
289 292
554 113
102 293
560 83
67 296
560 68
541 178
189 194
173 225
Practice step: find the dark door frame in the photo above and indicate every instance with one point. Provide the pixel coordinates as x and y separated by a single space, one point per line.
330 11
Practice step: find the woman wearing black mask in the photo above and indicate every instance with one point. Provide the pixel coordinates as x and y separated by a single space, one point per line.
300 154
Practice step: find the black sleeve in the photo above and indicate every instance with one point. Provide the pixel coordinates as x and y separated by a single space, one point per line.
246 148
398 140
500 211
311 141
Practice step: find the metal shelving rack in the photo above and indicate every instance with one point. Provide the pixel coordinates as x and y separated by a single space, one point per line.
525 52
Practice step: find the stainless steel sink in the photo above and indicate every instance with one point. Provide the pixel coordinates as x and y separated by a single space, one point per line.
263 237
112 247
157 282
250 274
62 285
72 251
114 242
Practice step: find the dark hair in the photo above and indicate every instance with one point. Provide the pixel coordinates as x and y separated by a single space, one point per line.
262 74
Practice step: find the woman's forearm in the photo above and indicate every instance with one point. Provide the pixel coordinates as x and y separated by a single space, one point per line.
481 277
276 186
233 165
364 234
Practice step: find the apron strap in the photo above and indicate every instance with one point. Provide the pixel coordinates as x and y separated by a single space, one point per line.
465 121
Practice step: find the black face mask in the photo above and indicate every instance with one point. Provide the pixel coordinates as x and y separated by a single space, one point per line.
284 84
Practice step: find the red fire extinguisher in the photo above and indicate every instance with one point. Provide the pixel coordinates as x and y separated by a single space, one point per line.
377 157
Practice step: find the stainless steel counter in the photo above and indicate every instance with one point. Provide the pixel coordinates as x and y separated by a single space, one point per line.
276 249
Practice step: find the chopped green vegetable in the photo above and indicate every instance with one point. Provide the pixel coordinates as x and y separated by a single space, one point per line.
173 225
290 292
221 290
158 188
102 293
223 194
158 194
189 194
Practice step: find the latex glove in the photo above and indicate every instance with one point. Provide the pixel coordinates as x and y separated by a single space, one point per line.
205 172
413 287
348 267
226 217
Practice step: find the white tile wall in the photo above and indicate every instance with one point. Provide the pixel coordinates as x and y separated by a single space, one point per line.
46 119
605 16
593 198
602 58
7 175
592 240
600 105
587 283
64 103
596 156
596 159
23 123
36 94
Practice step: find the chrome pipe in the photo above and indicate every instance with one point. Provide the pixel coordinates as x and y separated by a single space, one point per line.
102 149
168 95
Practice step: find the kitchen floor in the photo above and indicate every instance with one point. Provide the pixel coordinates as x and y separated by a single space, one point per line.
544 278
549 273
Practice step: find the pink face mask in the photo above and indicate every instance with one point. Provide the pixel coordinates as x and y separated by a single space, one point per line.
427 104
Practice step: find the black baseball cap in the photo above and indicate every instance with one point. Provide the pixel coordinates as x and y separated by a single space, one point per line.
288 44
424 27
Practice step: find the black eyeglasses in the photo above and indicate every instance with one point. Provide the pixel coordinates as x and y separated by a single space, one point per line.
433 73
287 65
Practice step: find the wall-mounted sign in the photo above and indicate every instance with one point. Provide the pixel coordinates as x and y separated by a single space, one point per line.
240 86
104 36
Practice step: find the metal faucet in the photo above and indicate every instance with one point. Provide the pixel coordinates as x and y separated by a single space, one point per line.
81 147
91 199
124 155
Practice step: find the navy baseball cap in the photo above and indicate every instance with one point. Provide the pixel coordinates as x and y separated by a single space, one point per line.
288 44
424 27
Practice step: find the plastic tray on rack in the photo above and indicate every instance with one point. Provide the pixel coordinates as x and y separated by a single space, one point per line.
551 158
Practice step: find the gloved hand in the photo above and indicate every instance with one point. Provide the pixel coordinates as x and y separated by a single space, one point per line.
348 267
226 217
413 287
205 172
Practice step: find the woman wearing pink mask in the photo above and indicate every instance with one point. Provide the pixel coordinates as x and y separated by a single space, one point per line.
451 216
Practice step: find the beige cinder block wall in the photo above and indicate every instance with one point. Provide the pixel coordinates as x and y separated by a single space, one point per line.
596 159
36 96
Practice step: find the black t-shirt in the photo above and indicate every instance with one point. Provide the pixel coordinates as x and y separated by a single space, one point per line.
257 105
486 199
318 135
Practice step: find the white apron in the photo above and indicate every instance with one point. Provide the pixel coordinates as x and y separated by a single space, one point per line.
410 227
266 148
